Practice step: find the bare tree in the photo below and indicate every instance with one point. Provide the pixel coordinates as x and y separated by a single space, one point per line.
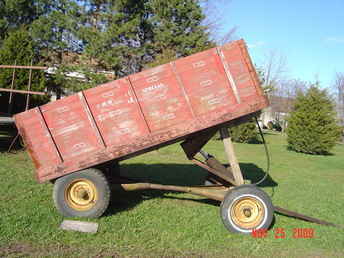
339 89
289 88
282 101
215 11
275 69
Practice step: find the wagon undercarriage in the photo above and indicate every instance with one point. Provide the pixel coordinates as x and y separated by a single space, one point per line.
243 207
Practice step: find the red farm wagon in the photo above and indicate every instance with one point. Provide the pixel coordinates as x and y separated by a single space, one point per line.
74 142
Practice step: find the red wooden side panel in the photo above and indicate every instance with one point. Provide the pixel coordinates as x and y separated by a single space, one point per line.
116 112
71 127
161 98
239 68
39 143
205 83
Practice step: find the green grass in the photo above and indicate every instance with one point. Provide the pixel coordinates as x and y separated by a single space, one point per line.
156 223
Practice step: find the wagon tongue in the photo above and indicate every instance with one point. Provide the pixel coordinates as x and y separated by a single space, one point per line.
294 214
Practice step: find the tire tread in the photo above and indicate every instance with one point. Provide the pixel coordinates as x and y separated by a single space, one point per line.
60 183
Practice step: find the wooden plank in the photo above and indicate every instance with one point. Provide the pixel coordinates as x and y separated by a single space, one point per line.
232 159
24 67
28 89
224 176
23 91
81 226
10 103
6 120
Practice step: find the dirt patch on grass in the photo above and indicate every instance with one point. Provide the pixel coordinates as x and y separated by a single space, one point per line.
29 250
18 249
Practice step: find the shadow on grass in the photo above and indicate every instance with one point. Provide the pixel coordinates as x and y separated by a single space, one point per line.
7 134
254 174
171 174
6 141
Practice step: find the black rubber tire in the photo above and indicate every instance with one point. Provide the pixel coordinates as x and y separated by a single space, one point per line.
236 194
102 187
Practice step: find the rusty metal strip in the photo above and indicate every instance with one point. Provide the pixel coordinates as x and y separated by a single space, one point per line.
24 67
44 123
23 91
228 74
137 101
91 118
305 217
181 86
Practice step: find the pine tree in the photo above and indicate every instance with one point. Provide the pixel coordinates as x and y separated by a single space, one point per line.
16 13
312 127
245 132
116 34
177 25
18 48
126 36
54 31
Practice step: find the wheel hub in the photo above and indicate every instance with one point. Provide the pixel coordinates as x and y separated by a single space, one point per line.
81 194
247 212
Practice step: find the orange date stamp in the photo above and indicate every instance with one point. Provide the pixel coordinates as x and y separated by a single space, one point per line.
281 233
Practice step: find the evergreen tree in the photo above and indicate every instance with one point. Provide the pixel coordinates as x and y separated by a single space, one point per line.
54 34
54 31
18 48
312 127
177 25
116 35
126 36
167 55
16 13
245 132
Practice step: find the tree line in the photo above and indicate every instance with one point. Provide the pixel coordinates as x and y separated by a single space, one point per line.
120 36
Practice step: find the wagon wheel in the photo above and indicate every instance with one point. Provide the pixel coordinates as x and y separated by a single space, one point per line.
82 194
246 208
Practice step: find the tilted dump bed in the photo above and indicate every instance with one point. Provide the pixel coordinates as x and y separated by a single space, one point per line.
131 115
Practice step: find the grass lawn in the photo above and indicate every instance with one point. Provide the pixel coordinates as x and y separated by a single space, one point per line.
155 223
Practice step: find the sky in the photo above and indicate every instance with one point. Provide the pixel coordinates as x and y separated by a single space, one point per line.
309 34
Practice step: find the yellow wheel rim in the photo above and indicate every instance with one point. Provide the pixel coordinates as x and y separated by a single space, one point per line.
247 212
81 194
